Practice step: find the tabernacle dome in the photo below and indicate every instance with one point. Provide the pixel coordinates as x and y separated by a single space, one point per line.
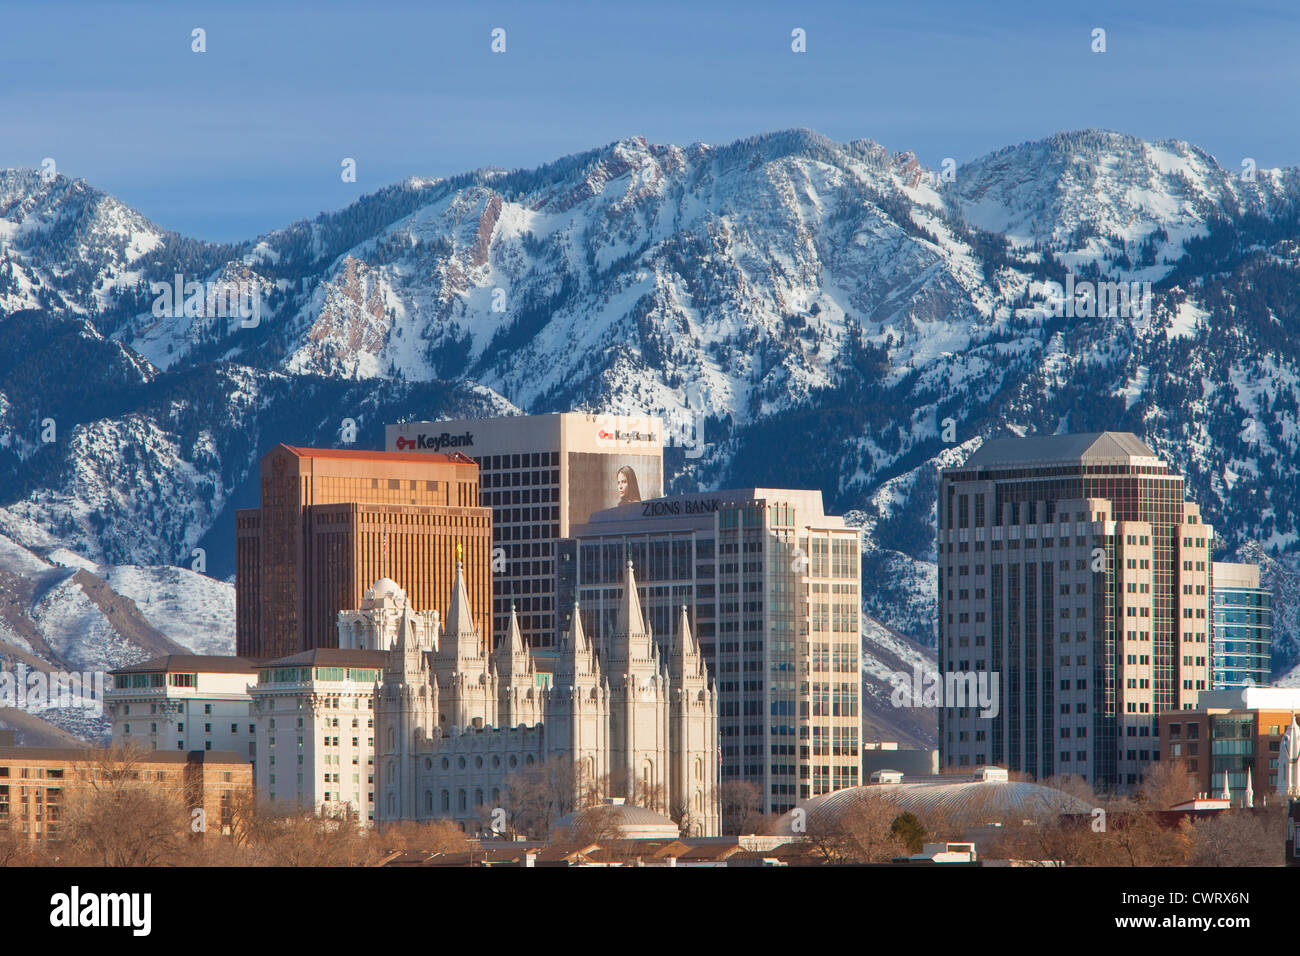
633 822
987 796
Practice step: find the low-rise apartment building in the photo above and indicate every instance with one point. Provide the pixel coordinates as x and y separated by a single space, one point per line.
37 784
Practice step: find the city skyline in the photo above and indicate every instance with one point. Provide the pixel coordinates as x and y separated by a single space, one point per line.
649 436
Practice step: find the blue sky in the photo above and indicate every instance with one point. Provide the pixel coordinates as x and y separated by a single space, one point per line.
250 135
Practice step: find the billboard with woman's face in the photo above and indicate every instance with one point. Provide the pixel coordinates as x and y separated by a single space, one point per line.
628 489
599 481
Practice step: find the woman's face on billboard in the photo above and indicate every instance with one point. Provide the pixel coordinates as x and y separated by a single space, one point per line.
622 485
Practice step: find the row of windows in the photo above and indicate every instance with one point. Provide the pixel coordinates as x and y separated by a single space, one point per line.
124 681
523 460
38 773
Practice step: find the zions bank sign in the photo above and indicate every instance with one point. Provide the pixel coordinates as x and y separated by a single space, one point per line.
667 507
426 442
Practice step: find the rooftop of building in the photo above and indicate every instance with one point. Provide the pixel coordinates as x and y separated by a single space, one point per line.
653 851
384 591
629 819
1234 574
593 417
1242 699
329 657
191 664
90 754
705 503
364 454
1093 448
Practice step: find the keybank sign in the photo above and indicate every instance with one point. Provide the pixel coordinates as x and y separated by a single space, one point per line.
435 442
618 435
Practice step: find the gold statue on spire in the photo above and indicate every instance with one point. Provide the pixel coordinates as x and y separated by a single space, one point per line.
460 552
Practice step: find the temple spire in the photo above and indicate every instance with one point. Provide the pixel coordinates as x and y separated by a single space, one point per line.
630 619
577 637
684 644
460 619
514 642
405 655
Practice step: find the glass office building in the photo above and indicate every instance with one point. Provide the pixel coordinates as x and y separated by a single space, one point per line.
1241 651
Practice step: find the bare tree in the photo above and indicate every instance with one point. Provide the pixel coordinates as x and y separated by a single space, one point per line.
115 816
537 796
636 791
1074 786
440 836
1166 783
16 850
1055 841
301 838
596 825
859 833
742 807
1134 834
1240 838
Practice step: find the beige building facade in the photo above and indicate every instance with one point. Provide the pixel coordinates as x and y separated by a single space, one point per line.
1074 568
184 702
38 785
774 584
314 717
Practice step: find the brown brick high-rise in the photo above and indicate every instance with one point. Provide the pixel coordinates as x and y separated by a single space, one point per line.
334 521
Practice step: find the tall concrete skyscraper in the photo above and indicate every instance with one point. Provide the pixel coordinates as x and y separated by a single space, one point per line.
1073 568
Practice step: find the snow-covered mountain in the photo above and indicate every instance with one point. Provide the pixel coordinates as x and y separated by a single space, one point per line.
61 613
822 307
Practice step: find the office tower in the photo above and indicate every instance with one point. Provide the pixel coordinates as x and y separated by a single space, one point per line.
333 522
540 475
773 585
1241 648
1073 568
